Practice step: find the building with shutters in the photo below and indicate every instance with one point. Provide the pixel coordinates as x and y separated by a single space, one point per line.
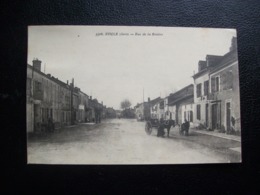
216 89
47 97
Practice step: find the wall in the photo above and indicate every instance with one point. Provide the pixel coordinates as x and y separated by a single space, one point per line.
188 109
202 101
50 99
229 95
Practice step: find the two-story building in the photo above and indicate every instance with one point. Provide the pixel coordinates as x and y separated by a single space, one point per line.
201 91
47 98
82 107
142 111
224 93
153 105
217 99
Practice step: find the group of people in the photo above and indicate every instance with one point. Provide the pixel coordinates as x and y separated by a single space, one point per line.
184 127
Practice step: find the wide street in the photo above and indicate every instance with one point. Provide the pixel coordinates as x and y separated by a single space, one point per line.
124 141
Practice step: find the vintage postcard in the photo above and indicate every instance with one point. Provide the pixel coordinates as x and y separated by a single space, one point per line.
132 95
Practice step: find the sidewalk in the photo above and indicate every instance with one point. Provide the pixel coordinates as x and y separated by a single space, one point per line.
217 134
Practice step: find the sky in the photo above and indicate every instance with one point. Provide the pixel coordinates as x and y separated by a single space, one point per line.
136 63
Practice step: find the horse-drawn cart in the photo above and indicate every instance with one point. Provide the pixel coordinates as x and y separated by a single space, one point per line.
162 124
152 123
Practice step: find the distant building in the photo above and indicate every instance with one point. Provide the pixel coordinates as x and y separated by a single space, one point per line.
128 113
142 111
180 104
154 105
82 107
111 112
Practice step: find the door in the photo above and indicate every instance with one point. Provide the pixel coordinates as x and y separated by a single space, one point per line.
37 117
228 116
207 114
214 116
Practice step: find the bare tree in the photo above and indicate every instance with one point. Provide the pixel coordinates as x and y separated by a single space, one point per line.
125 104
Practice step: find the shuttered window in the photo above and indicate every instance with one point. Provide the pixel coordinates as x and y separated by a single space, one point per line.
198 112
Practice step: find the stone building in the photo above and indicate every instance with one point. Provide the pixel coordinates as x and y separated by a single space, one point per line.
82 107
217 98
47 98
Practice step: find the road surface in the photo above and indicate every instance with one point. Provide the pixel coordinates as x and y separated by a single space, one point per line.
124 141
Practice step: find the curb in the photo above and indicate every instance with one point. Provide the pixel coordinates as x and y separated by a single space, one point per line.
216 135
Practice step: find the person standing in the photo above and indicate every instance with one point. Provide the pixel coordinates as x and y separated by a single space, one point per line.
160 132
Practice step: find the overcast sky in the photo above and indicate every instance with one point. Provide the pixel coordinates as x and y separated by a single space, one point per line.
113 68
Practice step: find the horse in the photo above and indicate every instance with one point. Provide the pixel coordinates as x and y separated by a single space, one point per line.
168 124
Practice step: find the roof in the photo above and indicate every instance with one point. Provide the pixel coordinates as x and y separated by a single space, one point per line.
181 94
154 101
227 59
180 99
202 72
56 80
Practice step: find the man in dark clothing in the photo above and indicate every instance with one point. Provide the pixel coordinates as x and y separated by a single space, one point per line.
160 132
186 127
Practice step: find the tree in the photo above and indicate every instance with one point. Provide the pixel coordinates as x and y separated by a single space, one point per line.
125 104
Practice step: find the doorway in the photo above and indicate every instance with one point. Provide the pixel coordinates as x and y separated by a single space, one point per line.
207 115
228 116
214 116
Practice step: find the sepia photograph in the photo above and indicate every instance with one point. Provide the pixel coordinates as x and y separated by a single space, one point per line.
110 95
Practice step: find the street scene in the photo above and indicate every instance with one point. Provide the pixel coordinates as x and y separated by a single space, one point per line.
132 95
124 141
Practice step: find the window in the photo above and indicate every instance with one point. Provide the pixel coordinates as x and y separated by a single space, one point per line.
212 84
227 80
161 105
191 116
217 83
28 86
206 88
199 90
37 86
198 112
184 115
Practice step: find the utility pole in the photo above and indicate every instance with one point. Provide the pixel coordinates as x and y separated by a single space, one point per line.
143 104
143 95
71 101
32 100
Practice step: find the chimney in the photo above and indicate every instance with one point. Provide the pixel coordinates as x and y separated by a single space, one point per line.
37 64
202 65
233 44
90 97
67 82
148 99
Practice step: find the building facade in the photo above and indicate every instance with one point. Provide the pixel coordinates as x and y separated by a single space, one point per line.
82 107
47 98
51 100
142 111
217 98
181 104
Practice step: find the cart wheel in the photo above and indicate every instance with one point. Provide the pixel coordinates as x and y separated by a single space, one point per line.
148 129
